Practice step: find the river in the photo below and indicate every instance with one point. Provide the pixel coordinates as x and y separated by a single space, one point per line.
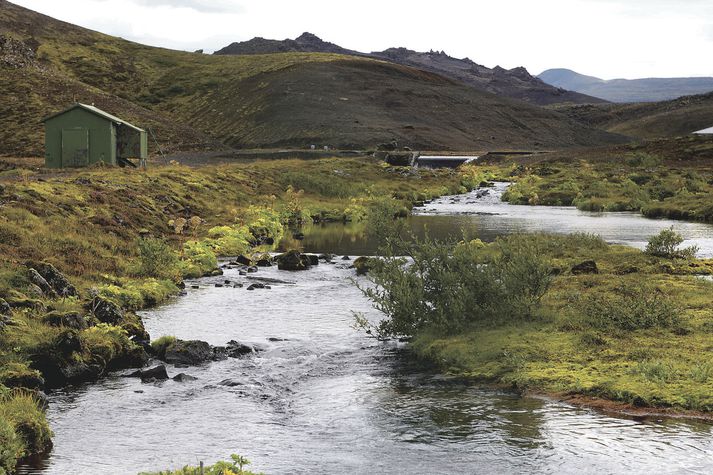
322 398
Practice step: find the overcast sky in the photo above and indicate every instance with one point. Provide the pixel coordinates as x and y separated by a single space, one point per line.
605 38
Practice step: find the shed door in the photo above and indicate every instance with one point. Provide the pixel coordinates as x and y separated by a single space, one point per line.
75 147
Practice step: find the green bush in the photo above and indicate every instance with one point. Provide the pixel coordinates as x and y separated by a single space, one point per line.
447 287
157 259
666 244
630 307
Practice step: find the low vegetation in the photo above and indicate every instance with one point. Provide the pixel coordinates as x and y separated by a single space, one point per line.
234 467
567 315
664 179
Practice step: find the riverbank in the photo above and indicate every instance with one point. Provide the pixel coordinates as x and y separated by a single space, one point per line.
81 252
617 325
667 178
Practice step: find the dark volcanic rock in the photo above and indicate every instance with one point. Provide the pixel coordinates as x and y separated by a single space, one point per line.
105 310
40 282
190 352
55 279
586 267
293 261
183 377
4 307
242 260
157 373
70 320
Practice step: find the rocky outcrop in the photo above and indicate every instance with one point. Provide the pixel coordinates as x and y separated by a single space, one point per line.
69 319
54 278
197 352
105 310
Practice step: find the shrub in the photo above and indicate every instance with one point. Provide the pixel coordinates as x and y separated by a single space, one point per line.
447 287
666 244
630 307
157 259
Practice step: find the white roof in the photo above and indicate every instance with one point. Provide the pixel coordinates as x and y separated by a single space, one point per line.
709 130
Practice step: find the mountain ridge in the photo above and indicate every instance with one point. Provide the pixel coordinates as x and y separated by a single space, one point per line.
515 83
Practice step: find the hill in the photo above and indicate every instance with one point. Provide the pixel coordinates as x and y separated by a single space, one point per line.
672 118
197 101
515 83
627 90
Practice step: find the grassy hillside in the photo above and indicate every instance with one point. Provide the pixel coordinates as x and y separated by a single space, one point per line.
647 120
262 100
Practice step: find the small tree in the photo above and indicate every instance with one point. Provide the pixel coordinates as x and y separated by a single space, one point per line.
666 244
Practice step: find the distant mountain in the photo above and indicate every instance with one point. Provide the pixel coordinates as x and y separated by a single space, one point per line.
627 90
515 83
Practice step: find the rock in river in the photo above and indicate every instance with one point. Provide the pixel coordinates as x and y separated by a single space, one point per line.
189 352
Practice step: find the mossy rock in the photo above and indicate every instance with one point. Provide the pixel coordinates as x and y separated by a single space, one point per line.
65 319
363 265
293 260
19 375
5 308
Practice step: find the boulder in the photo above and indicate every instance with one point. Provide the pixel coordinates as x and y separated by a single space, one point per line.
293 261
264 263
55 279
69 319
585 267
68 342
346 258
4 307
41 283
242 260
236 349
188 352
256 286
157 373
183 377
313 259
105 310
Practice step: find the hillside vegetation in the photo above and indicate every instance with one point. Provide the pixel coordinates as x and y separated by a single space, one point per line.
673 118
291 99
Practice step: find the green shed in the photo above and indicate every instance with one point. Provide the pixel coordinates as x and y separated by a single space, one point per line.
83 135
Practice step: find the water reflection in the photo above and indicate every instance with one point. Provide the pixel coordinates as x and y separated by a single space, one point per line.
486 217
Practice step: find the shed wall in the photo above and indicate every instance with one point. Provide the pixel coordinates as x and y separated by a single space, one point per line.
102 137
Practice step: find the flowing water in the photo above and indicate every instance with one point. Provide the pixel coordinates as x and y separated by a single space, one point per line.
321 398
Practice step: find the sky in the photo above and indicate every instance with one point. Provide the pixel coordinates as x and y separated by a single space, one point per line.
604 38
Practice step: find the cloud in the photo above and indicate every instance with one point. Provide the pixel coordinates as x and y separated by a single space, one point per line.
203 6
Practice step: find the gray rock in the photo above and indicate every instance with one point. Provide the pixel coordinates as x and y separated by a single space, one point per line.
183 377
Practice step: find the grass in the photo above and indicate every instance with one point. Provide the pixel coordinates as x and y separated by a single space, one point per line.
569 349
